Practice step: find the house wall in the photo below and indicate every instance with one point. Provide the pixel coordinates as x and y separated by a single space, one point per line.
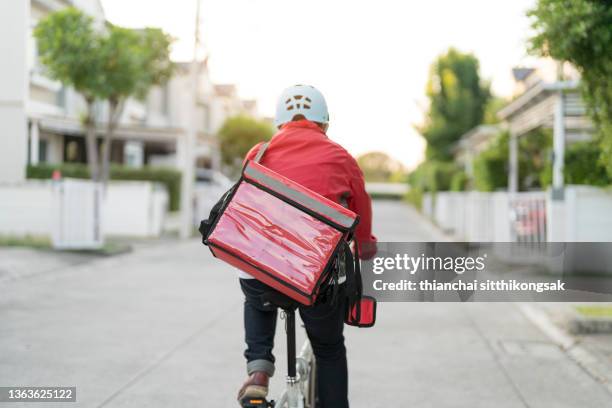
14 20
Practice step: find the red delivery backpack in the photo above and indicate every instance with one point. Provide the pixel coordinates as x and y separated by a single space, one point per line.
279 232
286 236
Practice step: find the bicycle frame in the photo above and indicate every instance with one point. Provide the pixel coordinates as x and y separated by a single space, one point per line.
299 369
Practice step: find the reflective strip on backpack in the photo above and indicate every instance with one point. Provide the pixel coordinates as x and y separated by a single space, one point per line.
301 198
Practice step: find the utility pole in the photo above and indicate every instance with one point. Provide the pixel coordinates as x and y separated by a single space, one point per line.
559 137
189 143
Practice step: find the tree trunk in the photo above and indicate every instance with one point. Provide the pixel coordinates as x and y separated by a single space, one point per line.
114 113
90 141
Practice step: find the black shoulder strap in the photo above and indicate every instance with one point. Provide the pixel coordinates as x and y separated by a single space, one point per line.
261 151
354 285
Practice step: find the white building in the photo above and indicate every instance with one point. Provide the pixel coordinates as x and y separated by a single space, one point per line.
546 97
40 118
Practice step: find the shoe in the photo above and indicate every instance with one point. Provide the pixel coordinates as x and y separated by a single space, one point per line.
256 386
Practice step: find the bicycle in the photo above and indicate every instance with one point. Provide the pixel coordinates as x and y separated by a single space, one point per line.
301 391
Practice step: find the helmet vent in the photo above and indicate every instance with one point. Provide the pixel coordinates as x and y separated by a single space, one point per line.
301 101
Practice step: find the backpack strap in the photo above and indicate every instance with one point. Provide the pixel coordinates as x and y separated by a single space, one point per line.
262 150
354 285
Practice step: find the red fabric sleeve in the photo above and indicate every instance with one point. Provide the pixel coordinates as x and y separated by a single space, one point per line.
359 201
252 153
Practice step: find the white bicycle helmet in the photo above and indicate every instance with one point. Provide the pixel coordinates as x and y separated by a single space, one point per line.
301 100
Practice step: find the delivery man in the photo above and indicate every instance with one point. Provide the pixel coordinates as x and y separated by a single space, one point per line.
302 152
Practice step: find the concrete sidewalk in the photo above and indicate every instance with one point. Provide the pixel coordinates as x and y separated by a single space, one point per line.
162 327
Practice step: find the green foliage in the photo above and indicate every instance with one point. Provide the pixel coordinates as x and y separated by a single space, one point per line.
433 176
154 47
170 178
31 241
379 167
102 64
415 197
457 102
491 166
493 106
580 31
134 61
110 64
534 150
459 181
69 48
239 134
582 166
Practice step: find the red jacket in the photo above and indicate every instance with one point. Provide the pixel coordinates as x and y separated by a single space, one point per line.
303 153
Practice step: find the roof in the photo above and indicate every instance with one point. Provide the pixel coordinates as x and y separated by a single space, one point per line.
476 135
521 73
249 104
228 90
534 94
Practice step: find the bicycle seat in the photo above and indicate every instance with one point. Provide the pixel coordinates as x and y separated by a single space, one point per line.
278 299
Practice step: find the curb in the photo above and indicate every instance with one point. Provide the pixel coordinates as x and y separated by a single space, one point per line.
569 344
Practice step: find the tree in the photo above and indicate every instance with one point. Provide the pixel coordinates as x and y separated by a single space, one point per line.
134 61
378 166
580 32
581 166
109 65
491 165
69 49
457 102
238 134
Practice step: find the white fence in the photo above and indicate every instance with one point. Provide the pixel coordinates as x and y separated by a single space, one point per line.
25 209
135 209
471 216
76 215
587 215
529 218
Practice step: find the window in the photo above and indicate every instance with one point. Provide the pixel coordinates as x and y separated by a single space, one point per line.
42 150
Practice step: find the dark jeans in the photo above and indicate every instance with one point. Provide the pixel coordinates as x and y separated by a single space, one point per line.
324 325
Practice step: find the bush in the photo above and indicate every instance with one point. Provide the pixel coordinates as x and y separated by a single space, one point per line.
170 178
490 166
432 176
415 197
459 181
239 134
582 166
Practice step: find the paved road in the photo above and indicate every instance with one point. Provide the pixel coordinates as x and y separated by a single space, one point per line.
161 327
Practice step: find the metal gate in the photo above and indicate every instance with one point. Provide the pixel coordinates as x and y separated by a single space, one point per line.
77 214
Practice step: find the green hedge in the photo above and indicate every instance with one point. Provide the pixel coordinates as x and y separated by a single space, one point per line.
583 165
432 176
169 177
490 171
459 182
415 197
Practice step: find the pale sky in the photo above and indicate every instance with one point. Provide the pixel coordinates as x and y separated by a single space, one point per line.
369 58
